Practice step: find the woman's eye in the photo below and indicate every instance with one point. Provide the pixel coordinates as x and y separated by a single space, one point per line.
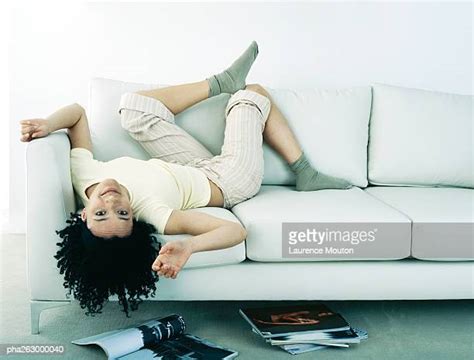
123 212
100 213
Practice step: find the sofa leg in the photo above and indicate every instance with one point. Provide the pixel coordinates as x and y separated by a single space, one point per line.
37 306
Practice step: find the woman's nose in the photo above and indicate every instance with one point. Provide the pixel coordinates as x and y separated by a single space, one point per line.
110 199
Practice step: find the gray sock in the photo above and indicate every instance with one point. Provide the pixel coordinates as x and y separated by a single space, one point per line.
309 179
233 78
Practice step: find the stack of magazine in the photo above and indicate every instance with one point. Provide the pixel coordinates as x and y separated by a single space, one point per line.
302 328
156 339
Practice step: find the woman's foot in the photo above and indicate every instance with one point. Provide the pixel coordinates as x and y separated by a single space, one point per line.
233 78
309 179
172 258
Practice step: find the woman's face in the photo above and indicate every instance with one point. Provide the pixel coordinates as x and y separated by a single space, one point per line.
108 212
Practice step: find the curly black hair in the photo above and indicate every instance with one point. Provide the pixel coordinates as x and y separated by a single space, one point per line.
95 268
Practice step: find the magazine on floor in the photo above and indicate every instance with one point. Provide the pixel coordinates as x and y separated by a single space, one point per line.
302 328
277 321
332 337
296 349
161 338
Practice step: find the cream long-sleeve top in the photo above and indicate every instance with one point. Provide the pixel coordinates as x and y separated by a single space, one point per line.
155 186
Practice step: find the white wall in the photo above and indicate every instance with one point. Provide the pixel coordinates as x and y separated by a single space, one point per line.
4 116
54 50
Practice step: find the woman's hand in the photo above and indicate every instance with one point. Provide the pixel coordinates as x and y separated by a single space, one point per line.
33 129
172 257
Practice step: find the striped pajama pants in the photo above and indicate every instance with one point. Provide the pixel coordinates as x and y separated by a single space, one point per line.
237 171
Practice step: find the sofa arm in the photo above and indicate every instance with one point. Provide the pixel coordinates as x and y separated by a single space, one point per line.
49 201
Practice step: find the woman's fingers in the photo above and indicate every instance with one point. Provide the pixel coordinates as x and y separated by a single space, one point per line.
30 136
28 129
168 270
163 270
30 122
157 265
33 128
174 272
36 134
26 122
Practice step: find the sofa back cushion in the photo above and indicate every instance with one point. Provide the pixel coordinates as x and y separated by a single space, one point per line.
331 124
205 121
420 138
332 127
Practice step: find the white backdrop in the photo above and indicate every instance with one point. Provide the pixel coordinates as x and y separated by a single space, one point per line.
56 48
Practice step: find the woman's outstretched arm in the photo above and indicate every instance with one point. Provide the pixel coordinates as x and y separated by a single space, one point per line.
207 233
72 117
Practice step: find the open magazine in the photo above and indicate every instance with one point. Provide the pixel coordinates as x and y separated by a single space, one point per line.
156 339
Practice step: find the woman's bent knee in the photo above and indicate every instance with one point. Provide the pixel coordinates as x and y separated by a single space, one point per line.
257 88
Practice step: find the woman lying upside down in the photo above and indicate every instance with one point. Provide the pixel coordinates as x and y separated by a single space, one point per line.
110 248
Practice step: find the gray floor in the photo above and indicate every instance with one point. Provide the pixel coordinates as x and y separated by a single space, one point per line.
397 329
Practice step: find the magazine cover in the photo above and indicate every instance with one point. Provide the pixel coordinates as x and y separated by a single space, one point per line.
270 322
156 339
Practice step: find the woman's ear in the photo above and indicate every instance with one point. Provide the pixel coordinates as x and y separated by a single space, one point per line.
83 215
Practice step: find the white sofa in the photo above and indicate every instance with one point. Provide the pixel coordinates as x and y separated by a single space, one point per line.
408 151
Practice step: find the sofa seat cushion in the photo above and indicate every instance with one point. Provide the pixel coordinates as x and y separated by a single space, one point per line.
264 215
442 219
232 255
